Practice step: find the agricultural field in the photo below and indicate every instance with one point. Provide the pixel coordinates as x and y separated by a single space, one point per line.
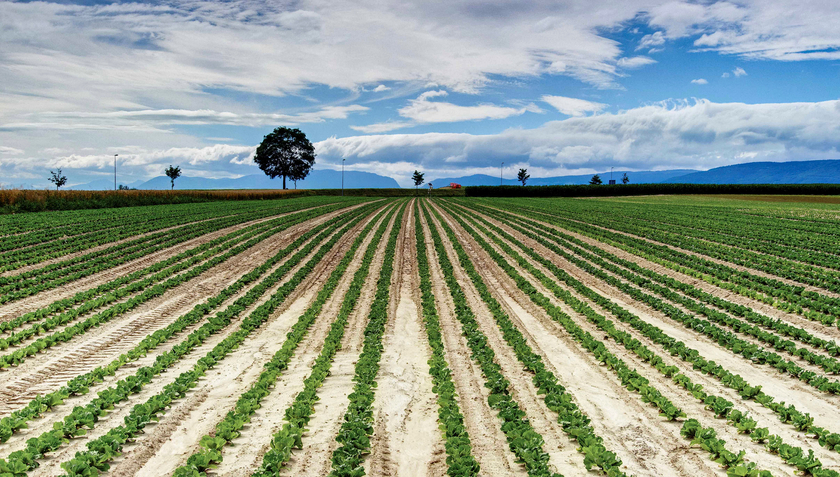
347 336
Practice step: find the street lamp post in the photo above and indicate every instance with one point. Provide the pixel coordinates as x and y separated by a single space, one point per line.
611 174
342 177
500 173
115 171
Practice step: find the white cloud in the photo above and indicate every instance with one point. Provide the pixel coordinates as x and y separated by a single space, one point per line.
683 134
422 110
635 62
652 40
725 75
382 127
380 88
739 72
12 151
573 106
699 81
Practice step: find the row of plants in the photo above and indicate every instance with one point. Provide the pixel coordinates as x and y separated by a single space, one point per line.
629 377
525 443
459 459
54 275
103 449
580 248
575 422
90 299
210 452
788 298
744 348
80 385
16 357
153 225
263 231
354 435
720 406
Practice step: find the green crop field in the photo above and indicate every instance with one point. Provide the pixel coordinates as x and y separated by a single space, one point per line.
461 336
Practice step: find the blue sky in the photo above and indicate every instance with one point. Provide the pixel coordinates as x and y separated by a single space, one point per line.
447 87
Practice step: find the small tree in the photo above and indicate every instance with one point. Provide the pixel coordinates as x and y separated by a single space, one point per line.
596 180
57 179
418 179
172 173
523 176
625 179
285 152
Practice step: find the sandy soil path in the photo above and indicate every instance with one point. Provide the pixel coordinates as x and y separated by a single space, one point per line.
216 391
406 439
489 445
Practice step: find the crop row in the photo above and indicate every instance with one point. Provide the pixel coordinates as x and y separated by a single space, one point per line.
80 384
721 407
18 356
211 446
574 422
629 377
51 276
459 458
260 231
354 435
788 298
103 449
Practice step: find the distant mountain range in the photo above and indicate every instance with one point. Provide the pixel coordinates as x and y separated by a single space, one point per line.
318 179
640 177
794 172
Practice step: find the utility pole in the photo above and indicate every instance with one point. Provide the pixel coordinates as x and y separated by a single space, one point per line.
342 177
115 171
611 174
500 173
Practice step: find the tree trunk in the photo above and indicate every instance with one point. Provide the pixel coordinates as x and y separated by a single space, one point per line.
284 182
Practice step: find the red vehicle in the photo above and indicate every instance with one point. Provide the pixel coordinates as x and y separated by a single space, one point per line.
454 185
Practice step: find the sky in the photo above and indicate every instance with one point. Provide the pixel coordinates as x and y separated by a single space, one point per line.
448 87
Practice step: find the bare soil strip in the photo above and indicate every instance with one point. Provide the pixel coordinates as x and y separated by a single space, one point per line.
635 432
682 399
319 441
45 423
740 268
489 445
245 455
101 345
817 329
19 307
406 440
765 417
217 391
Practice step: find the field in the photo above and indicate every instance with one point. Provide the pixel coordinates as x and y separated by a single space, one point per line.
349 336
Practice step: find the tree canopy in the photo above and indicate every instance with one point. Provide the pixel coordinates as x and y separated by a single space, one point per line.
285 152
57 179
417 177
172 173
596 180
523 176
625 179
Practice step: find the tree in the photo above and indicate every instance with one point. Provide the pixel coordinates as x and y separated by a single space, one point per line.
596 180
285 152
418 179
523 176
57 179
172 173
625 179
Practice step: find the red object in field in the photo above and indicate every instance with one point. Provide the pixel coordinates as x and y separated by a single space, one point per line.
454 185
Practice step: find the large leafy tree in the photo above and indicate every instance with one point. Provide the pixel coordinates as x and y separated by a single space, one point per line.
285 152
